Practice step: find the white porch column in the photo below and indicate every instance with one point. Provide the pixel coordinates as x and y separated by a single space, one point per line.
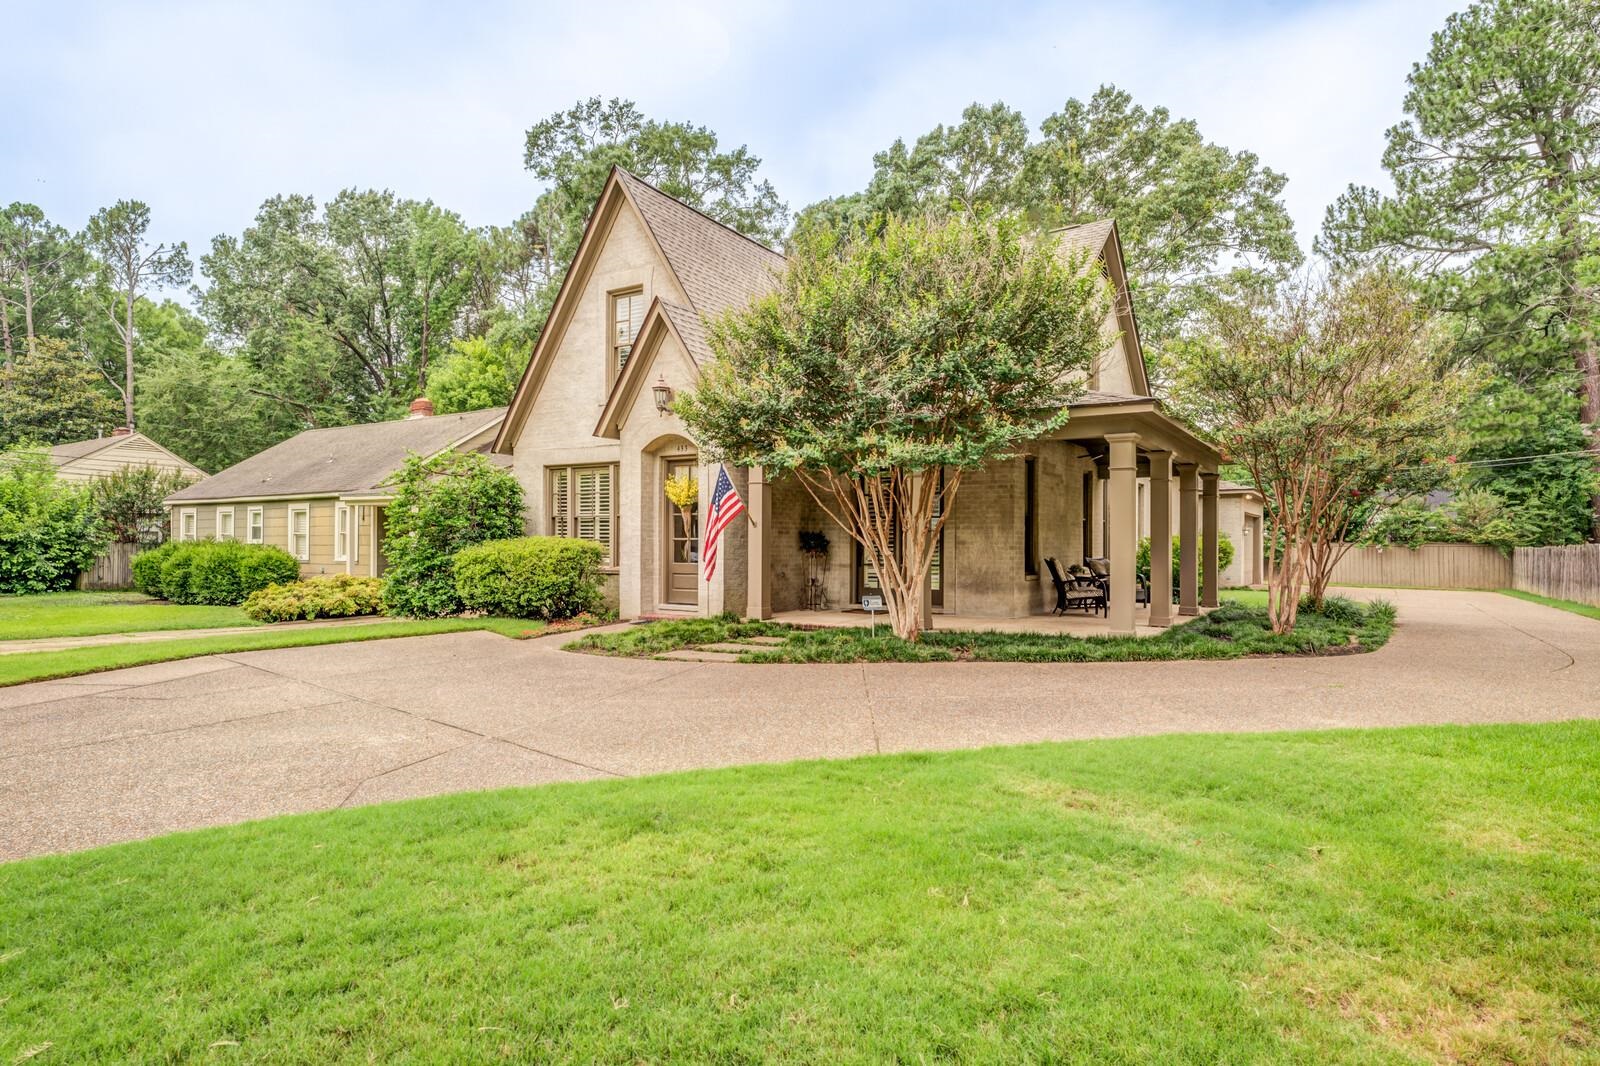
1161 538
1188 533
757 581
1208 538
1123 520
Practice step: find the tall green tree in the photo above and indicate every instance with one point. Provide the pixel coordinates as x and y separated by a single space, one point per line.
1496 170
477 373
357 298
1189 211
41 269
946 344
574 150
53 394
130 265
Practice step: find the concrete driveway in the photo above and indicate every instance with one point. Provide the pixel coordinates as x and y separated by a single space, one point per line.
133 753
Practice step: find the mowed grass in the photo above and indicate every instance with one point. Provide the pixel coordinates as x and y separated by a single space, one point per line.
83 614
16 669
1236 629
1372 897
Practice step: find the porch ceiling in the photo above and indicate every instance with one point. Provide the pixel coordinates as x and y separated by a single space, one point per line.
1093 420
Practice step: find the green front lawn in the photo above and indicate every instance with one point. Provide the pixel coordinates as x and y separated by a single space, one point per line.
83 614
1234 630
42 665
1359 896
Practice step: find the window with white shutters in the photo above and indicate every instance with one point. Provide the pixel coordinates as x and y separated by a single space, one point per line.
583 504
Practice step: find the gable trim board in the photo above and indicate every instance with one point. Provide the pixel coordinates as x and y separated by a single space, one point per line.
705 292
657 325
601 219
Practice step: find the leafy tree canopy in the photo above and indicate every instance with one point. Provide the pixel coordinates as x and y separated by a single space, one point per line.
575 149
1496 173
362 295
1188 210
477 374
53 395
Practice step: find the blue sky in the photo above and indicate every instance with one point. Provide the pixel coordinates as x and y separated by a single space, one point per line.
205 109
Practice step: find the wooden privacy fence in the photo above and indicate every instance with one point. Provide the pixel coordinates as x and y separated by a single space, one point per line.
113 570
1432 566
1571 572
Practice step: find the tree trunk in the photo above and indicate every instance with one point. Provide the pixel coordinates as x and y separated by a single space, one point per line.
27 309
5 331
127 352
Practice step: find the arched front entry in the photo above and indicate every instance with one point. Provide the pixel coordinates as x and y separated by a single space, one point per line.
666 553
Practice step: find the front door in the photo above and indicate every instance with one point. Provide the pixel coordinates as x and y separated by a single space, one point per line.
683 543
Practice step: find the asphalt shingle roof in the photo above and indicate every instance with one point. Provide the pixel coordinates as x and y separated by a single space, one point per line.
717 266
339 460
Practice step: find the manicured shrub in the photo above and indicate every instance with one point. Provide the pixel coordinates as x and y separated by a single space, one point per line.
531 577
49 530
1224 557
147 568
223 573
442 505
339 596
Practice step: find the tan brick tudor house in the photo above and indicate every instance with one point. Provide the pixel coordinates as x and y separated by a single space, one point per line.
591 439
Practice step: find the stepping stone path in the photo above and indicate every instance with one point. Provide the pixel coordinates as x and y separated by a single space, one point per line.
724 652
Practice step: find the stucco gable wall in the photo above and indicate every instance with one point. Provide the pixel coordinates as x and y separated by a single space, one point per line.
559 429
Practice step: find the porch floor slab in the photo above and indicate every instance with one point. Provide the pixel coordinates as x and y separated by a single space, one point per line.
1072 624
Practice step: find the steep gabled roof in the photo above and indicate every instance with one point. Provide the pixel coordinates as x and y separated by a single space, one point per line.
717 267
1101 239
345 459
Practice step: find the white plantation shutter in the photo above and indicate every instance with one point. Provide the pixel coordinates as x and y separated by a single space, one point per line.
583 504
560 505
594 505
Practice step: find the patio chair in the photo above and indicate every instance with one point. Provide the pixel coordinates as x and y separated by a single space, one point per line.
1075 591
1101 568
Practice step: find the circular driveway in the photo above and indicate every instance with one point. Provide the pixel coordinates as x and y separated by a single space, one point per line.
132 753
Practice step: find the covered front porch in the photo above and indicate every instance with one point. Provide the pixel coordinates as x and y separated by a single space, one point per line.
1119 469
1072 624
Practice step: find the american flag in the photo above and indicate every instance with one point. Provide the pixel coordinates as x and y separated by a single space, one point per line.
725 507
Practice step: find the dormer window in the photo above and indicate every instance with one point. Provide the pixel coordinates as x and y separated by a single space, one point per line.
627 313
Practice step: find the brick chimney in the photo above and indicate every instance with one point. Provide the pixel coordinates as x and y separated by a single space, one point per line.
121 431
421 407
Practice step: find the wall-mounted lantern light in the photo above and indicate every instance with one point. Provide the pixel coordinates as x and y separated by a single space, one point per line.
663 393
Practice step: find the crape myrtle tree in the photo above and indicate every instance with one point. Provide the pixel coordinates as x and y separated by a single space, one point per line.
888 354
1328 392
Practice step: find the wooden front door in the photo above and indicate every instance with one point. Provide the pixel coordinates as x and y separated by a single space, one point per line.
682 544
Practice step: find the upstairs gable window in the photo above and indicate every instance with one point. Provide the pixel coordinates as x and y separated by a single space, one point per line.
627 313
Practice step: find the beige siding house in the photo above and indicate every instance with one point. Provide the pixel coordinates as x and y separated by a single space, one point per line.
85 460
321 495
592 439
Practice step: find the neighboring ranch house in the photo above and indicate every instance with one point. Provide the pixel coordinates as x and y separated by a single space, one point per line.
592 440
85 460
321 494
